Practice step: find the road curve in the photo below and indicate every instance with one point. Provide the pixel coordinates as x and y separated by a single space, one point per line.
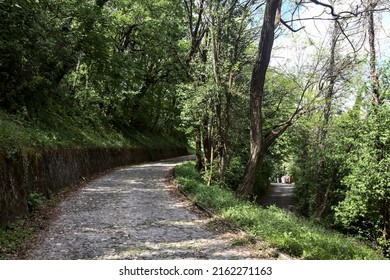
130 214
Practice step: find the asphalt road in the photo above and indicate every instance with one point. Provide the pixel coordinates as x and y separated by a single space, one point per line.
280 195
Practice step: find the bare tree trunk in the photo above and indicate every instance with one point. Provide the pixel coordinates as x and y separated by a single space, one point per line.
198 153
207 142
322 195
221 136
386 226
329 92
371 39
257 151
210 179
215 32
197 27
376 101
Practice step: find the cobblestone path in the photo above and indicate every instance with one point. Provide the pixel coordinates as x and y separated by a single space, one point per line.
130 214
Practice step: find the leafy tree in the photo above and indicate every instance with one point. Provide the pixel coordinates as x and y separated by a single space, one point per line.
366 208
341 157
216 65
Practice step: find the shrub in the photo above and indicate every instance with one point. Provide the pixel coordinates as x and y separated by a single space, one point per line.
35 200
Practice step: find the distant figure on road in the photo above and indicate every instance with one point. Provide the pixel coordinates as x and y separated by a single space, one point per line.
286 180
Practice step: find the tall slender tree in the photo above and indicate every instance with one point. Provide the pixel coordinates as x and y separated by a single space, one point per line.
259 143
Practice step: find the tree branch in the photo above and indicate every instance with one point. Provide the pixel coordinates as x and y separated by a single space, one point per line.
326 6
290 28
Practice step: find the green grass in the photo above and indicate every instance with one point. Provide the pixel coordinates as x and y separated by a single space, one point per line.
296 236
61 130
13 239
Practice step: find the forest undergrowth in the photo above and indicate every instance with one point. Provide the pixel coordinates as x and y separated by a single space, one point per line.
294 235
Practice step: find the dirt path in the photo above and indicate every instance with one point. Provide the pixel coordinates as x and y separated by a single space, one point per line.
130 214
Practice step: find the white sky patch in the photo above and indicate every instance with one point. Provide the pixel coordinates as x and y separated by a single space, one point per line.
295 49
297 52
291 48
384 37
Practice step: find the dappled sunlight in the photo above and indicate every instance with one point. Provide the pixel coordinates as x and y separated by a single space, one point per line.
102 190
204 248
147 166
180 223
133 182
174 206
146 190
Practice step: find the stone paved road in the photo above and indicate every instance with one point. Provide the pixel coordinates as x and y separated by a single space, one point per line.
130 214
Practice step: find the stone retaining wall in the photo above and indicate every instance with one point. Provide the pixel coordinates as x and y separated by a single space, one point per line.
47 171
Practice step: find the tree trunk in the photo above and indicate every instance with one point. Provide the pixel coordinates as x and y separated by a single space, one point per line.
257 151
215 32
325 198
322 194
207 142
371 39
386 226
198 153
210 179
329 92
375 93
245 189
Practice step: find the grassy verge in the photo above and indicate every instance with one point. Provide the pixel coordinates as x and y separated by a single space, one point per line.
60 130
13 239
16 237
291 234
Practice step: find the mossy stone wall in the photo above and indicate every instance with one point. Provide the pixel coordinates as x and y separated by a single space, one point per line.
48 171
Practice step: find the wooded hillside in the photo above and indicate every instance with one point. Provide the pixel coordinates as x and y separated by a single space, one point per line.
261 88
